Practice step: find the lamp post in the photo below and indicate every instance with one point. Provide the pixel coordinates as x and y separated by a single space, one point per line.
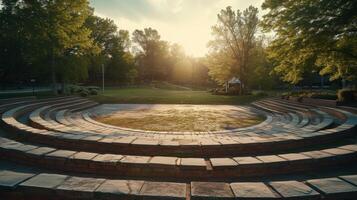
103 78
103 73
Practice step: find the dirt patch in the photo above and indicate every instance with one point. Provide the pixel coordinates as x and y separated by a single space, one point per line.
185 118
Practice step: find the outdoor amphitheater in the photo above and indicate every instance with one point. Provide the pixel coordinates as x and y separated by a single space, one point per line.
57 148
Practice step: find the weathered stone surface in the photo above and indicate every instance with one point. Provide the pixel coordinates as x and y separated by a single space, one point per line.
253 190
145 142
135 159
351 147
125 140
337 151
25 148
211 190
61 154
45 181
317 154
115 188
270 159
164 189
107 158
41 151
290 189
294 156
162 160
9 179
247 160
333 186
81 184
195 162
83 156
350 178
223 162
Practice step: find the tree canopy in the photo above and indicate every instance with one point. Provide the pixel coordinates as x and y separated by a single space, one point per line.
312 35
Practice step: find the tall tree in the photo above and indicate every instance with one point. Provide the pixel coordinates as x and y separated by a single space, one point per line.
234 36
115 53
152 54
313 35
56 29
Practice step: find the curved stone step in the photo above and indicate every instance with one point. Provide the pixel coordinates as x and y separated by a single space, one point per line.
15 184
175 167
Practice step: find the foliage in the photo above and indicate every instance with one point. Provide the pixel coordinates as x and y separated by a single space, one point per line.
312 94
234 39
152 53
347 95
49 37
82 90
115 55
312 36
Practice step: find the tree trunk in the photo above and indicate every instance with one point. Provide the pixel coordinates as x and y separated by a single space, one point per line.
53 75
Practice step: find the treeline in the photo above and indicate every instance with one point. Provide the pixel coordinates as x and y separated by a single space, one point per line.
63 42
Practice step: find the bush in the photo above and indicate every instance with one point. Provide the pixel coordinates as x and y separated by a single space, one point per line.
259 93
346 95
83 90
93 91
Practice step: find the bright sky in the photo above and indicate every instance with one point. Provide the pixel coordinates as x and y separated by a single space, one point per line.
186 22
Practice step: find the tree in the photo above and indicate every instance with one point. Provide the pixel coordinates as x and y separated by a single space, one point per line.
55 30
313 35
234 39
152 54
114 55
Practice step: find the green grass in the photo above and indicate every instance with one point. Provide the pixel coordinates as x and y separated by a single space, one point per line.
164 96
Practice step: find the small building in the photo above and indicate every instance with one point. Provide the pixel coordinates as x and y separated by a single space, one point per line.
233 82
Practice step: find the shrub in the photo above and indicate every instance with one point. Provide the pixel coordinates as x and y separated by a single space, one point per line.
84 93
93 91
346 95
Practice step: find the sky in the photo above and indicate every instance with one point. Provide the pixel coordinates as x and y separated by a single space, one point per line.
186 22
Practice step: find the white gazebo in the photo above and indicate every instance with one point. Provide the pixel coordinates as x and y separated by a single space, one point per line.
232 81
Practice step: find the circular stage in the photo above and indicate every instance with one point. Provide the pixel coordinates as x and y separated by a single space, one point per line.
177 118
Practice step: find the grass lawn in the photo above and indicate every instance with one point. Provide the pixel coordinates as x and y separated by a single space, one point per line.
165 96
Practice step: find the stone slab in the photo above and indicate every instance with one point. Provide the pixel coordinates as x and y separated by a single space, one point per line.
163 160
195 162
270 159
83 156
9 179
223 162
211 190
247 160
61 154
350 178
294 189
252 190
107 158
337 151
294 156
135 159
317 154
111 189
159 190
41 151
333 187
80 184
45 181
